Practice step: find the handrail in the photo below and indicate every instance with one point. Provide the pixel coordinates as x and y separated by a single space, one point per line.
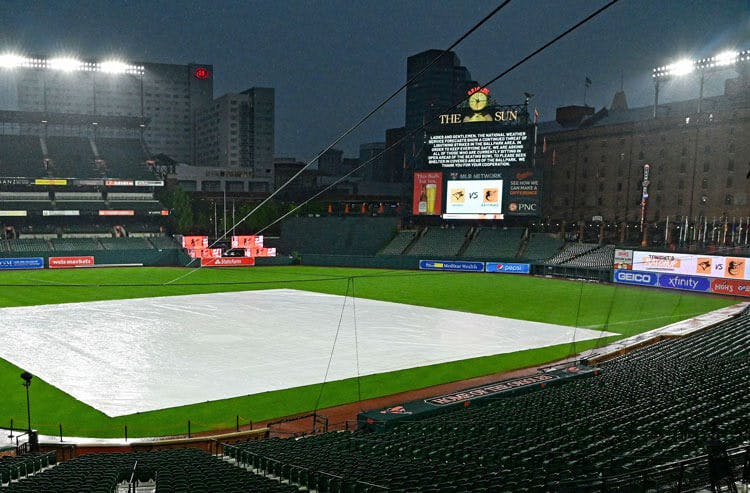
133 481
610 481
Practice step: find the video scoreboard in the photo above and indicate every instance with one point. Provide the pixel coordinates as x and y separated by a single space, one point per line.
479 163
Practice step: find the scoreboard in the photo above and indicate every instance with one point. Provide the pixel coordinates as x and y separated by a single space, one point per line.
483 160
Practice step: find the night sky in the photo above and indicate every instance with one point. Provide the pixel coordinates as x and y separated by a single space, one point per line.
330 62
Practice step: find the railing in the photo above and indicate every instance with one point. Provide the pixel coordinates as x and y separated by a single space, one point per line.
680 477
133 481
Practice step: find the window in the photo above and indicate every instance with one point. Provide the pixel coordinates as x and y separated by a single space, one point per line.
704 184
706 167
729 199
730 182
683 167
731 147
640 155
707 149
619 186
679 200
730 165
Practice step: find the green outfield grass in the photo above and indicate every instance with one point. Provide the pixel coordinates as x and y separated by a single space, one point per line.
619 309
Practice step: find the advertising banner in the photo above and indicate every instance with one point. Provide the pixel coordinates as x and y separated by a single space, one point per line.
10 180
60 213
688 283
451 265
70 262
692 265
13 213
21 263
247 241
639 278
731 287
50 181
428 193
118 183
523 194
474 199
149 183
115 212
210 253
623 259
227 262
508 268
195 242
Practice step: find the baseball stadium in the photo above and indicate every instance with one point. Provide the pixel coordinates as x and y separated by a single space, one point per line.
454 336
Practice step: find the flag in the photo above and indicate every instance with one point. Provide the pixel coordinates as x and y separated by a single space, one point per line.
588 82
544 145
554 156
536 115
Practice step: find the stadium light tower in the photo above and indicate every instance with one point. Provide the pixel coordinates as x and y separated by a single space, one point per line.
681 68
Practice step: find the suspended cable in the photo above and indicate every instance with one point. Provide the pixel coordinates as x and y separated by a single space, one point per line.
452 107
362 121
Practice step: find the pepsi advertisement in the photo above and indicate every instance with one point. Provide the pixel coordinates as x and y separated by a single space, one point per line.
508 268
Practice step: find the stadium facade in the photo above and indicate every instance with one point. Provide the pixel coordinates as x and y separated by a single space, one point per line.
694 155
168 96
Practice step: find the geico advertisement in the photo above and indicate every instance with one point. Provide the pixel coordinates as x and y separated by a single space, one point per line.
474 197
692 265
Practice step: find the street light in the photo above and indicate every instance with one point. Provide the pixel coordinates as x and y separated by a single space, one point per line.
26 376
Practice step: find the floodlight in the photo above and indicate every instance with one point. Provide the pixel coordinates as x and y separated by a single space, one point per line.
113 67
681 67
64 64
11 61
726 58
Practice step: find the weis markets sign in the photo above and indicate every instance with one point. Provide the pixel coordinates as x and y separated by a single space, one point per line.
70 262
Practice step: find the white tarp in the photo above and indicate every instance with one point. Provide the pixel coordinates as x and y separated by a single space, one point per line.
127 356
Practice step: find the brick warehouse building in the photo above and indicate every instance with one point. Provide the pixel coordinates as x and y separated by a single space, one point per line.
697 152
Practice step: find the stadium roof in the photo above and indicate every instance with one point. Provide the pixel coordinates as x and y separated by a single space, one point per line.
48 118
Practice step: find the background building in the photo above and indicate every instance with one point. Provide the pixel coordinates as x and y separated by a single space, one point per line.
237 131
697 152
168 96
372 152
445 83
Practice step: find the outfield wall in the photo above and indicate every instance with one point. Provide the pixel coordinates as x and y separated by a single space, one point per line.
146 256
